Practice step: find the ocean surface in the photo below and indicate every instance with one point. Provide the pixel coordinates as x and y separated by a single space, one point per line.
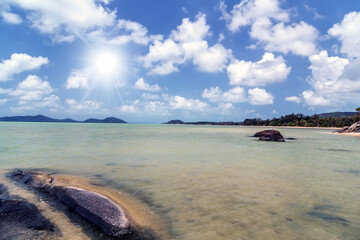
207 182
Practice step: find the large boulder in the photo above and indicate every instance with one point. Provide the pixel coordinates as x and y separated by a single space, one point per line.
353 128
96 208
270 135
93 206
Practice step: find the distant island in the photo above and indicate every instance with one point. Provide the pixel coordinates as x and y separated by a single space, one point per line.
333 119
42 118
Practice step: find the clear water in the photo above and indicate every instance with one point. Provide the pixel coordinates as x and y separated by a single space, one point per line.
208 182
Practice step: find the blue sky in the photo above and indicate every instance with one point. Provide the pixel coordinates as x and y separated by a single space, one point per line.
152 61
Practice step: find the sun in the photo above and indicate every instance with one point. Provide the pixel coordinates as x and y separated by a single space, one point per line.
106 63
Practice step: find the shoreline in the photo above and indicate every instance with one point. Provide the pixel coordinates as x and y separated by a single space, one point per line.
295 127
356 134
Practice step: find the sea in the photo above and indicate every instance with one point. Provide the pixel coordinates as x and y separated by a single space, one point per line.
207 182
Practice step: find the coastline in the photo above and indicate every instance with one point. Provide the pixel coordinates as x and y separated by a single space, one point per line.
356 134
295 127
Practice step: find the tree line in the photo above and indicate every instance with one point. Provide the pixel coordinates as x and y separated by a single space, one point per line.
300 120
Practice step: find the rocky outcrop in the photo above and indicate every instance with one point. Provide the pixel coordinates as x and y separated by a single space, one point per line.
352 129
93 206
270 135
96 208
20 219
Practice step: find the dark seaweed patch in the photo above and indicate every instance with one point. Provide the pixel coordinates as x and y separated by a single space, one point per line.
335 150
110 164
324 207
355 172
328 218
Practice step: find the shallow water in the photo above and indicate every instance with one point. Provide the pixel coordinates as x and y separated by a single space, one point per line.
208 182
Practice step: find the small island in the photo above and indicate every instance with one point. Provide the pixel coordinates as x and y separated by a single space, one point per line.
42 118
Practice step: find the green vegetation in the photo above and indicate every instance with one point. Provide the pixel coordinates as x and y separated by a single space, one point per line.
301 120
358 109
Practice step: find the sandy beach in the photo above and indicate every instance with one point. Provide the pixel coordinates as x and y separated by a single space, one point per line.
357 134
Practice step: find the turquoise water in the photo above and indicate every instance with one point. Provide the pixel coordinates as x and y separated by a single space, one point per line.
208 182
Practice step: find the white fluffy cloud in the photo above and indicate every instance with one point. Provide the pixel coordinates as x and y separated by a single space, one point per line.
32 88
88 106
258 96
19 62
33 93
348 32
142 85
185 44
181 103
64 18
78 78
11 18
132 32
268 70
234 95
331 81
248 11
267 21
294 99
297 38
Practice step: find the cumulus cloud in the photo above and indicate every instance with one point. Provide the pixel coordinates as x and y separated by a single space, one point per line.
132 32
224 108
150 96
297 38
128 109
234 95
181 103
331 81
267 21
32 88
187 44
64 18
33 93
294 99
248 11
19 62
88 20
258 96
268 70
142 85
88 106
348 33
11 18
78 78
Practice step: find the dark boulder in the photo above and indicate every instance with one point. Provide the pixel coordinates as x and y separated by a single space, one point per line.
270 135
96 208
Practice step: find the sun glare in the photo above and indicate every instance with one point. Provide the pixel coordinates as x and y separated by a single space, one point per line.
106 64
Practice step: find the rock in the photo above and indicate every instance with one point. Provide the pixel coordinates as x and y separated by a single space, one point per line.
22 220
270 135
96 208
93 206
353 128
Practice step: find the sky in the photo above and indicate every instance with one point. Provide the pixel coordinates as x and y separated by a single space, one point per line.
153 61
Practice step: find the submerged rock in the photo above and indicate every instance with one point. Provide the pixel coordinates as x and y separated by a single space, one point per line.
93 206
353 128
270 135
22 220
96 208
